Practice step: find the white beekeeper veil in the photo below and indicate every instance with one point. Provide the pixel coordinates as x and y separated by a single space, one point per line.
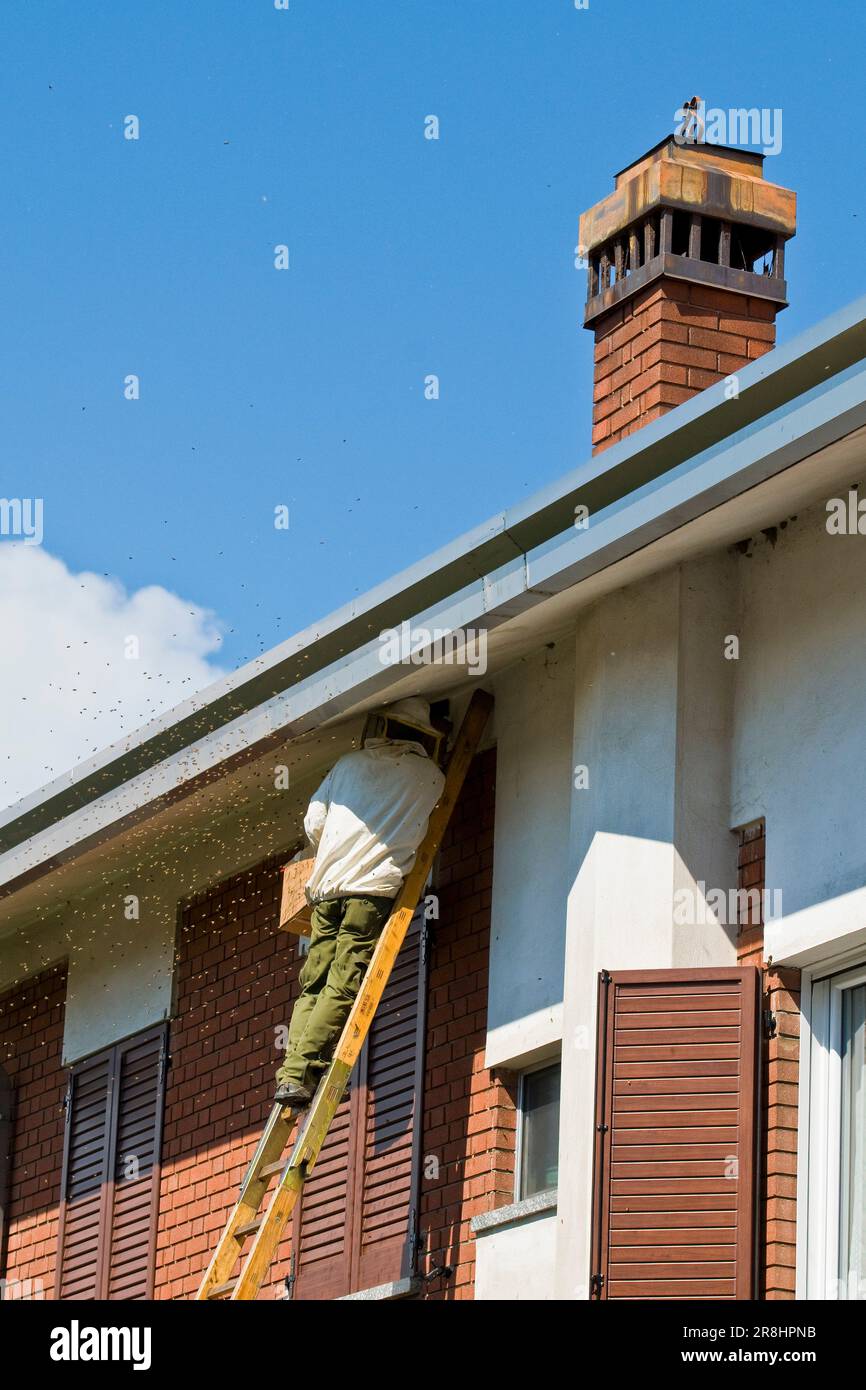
406 720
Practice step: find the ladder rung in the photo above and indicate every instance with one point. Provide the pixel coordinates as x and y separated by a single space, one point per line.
219 1289
249 1227
271 1168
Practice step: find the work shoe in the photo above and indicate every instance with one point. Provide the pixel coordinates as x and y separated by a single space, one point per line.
289 1093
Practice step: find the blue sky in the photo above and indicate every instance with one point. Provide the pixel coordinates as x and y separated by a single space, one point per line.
408 257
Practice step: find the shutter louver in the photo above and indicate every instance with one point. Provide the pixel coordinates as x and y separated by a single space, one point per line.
85 1179
322 1223
392 1079
136 1167
675 1179
351 1227
111 1172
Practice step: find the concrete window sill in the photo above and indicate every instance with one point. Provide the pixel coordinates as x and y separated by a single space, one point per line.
400 1288
516 1212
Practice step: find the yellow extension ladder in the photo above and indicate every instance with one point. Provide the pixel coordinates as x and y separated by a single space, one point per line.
267 1161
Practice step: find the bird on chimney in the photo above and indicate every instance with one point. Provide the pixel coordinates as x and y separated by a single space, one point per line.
693 128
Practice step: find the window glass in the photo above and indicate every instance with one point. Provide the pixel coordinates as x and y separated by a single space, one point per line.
539 1154
852 1207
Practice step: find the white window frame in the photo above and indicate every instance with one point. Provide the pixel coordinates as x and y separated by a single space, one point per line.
519 1139
820 1153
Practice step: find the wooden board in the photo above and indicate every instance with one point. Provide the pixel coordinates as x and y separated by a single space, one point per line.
295 911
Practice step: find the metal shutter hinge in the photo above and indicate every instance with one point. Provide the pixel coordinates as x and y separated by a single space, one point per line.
769 1023
416 1239
426 940
596 1284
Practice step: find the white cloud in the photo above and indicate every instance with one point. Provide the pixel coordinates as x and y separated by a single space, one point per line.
67 685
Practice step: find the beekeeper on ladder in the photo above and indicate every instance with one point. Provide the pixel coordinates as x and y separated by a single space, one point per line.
366 822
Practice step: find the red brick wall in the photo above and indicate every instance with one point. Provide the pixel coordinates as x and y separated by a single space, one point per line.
469 1112
782 997
670 341
234 986
780 1063
31 1041
751 867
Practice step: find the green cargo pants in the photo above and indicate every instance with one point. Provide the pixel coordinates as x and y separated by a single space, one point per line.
345 932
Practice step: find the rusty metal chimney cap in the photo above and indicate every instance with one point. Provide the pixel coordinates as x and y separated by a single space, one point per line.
751 161
713 180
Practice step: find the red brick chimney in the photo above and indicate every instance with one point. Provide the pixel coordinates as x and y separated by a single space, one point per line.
674 296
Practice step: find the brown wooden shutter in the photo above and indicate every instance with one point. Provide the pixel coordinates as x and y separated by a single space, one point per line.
354 1226
391 1076
322 1221
675 1162
134 1198
85 1179
110 1182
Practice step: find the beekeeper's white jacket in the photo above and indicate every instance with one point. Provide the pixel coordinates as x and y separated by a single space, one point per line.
368 818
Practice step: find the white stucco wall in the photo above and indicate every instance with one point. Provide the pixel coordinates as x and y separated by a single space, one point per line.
534 700
706 848
516 1263
800 736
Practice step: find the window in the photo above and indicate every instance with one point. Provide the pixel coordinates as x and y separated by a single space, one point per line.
538 1132
852 1195
836 1151
110 1184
